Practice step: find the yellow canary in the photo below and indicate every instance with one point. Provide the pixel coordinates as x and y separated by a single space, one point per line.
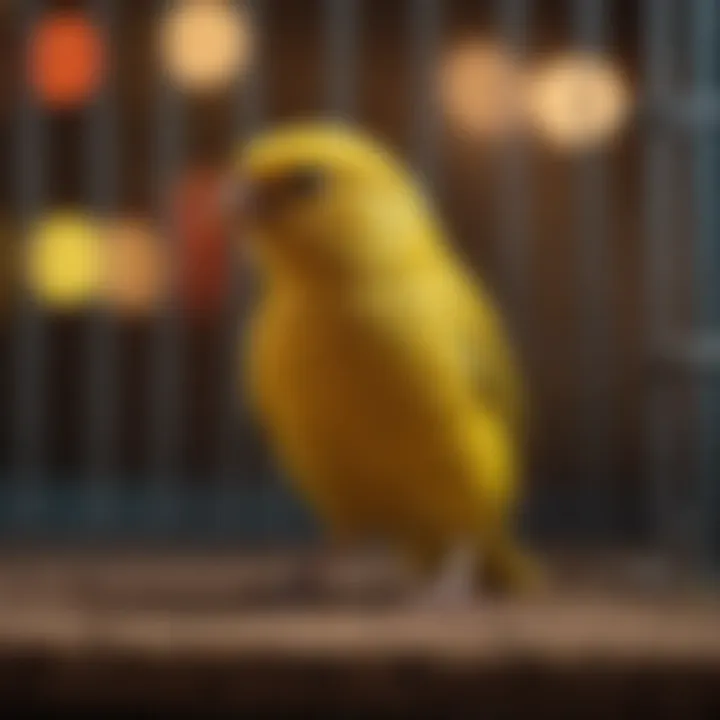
375 360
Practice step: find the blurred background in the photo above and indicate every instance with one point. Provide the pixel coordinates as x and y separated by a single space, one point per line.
572 147
566 143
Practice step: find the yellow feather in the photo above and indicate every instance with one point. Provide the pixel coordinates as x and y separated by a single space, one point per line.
377 362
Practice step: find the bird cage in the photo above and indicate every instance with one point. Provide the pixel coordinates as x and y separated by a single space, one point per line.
570 146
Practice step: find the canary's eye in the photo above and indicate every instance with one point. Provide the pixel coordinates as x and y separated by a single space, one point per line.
306 182
266 197
272 195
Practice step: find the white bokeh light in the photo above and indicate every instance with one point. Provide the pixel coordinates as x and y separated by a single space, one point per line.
579 101
205 44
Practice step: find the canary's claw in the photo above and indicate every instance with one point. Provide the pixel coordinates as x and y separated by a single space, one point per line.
453 588
516 575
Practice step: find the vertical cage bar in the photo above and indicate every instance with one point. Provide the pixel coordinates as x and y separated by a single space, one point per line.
29 412
704 43
659 214
513 17
341 17
425 22
163 510
513 20
101 167
238 455
592 235
251 105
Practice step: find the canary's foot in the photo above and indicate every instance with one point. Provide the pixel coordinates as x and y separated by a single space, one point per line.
454 586
515 574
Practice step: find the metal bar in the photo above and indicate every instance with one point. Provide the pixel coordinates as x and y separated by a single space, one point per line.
341 23
513 17
238 458
163 508
658 206
29 412
696 354
589 23
692 113
425 23
513 20
101 164
260 466
251 105
705 22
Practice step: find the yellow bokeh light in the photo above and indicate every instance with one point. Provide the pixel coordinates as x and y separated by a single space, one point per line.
135 267
579 100
205 44
481 89
63 263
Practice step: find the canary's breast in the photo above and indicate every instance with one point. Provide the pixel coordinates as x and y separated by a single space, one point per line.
362 415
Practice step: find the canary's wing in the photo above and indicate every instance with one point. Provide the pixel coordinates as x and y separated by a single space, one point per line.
490 363
463 315
258 351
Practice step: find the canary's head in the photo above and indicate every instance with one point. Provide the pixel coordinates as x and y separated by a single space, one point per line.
324 202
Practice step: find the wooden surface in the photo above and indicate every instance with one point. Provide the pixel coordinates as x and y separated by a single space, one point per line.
238 634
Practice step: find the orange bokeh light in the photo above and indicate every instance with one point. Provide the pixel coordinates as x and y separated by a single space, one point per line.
66 59
482 88
136 267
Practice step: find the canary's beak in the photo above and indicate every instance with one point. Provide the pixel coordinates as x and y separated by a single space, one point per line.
236 205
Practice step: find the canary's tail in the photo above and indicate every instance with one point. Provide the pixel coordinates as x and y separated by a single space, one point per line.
509 570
